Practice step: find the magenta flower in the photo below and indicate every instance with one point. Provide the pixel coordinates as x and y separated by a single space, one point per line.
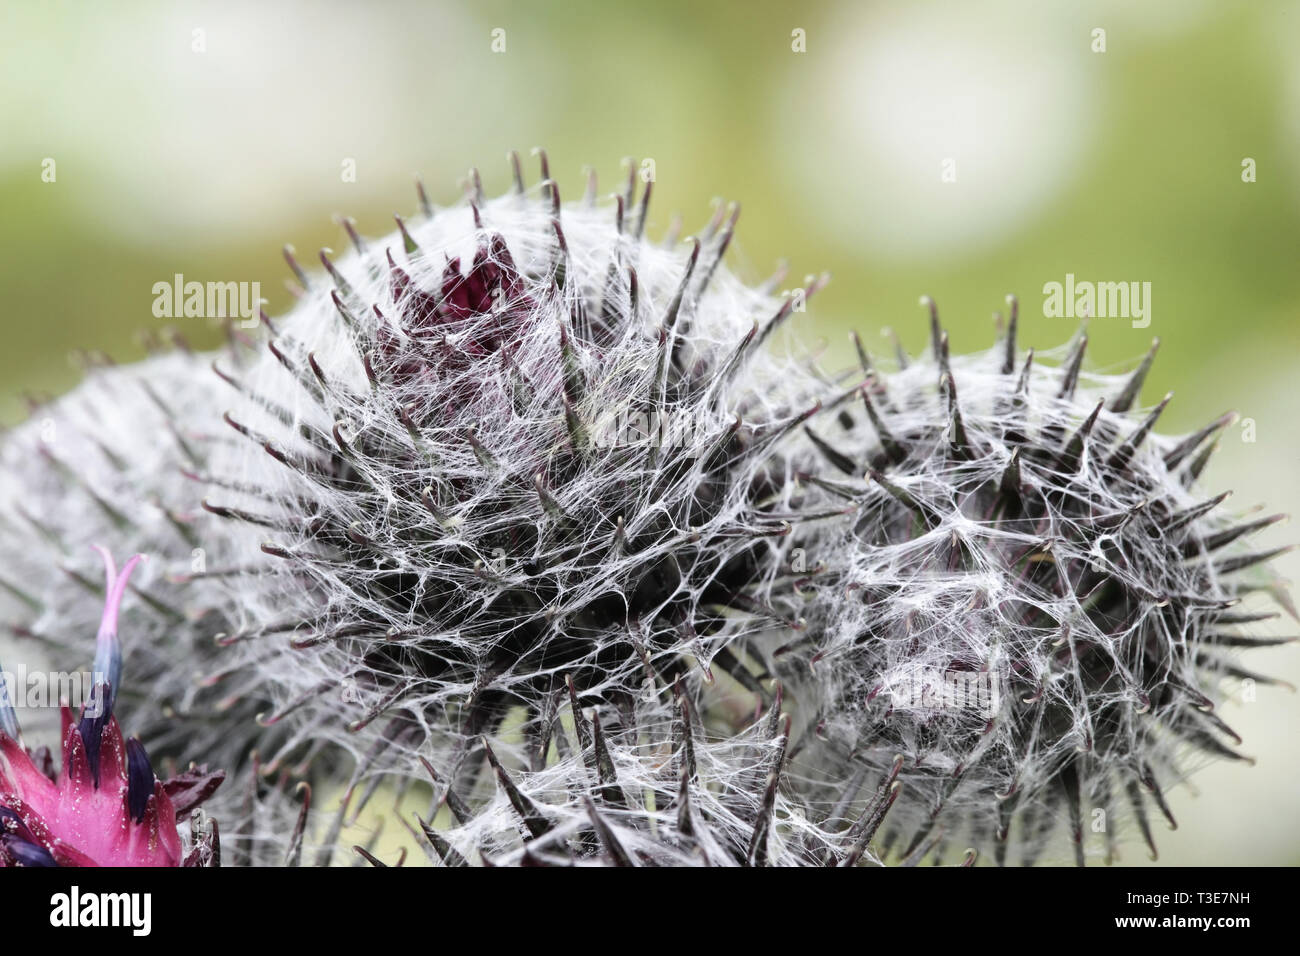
106 807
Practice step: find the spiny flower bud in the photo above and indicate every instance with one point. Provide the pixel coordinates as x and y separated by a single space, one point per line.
120 459
511 441
106 807
1034 605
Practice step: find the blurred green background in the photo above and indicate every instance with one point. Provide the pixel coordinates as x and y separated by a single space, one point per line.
199 137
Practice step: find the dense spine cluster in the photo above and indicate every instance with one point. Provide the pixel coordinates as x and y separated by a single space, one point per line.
1032 604
649 786
519 444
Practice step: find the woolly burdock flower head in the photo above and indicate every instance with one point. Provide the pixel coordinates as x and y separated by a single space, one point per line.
119 460
105 807
512 442
1034 605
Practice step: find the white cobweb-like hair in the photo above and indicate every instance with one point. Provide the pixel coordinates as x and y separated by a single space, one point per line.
646 785
1032 607
513 442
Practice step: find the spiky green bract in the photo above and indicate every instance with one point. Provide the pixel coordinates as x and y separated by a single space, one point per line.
1034 605
513 441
